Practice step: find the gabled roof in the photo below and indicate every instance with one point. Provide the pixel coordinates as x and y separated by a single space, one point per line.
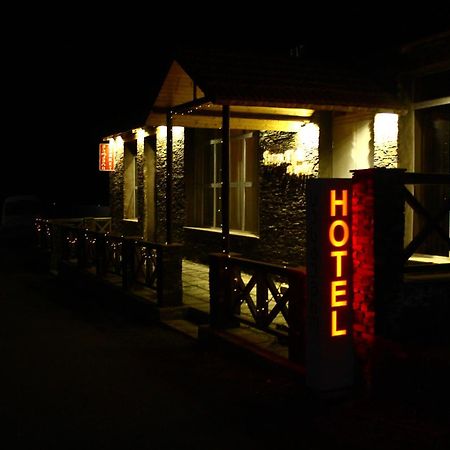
268 81
272 80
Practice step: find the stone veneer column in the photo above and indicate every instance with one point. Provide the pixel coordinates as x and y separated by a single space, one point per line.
377 239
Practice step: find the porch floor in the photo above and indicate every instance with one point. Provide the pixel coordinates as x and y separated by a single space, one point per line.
196 285
196 297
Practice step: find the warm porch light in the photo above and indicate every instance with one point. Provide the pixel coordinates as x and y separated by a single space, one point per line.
178 132
385 132
117 147
140 134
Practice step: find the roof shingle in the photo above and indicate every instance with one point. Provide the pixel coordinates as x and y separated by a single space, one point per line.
272 80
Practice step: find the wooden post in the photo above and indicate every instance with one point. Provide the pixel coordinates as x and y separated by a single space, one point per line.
57 237
220 287
262 300
169 161
127 263
100 255
325 144
225 193
81 248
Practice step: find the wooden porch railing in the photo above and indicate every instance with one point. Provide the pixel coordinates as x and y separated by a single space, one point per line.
133 262
431 220
269 297
145 264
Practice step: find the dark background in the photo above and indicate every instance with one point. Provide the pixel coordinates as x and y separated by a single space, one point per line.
72 77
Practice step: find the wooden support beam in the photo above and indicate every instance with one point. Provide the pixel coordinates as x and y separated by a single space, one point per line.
197 121
225 193
233 114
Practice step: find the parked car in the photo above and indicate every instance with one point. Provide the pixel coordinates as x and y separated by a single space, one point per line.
19 213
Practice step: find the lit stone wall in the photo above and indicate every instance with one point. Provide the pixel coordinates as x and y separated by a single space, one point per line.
297 151
178 191
282 210
386 140
116 181
282 201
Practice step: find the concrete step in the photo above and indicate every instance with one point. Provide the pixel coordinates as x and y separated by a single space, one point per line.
184 326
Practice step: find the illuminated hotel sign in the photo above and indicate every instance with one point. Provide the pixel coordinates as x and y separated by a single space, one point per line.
339 239
329 354
106 158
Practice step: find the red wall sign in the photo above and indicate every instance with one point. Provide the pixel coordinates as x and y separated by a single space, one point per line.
329 351
106 158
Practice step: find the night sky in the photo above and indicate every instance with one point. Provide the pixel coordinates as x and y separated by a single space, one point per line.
72 78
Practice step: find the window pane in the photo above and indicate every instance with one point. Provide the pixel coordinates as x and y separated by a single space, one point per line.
236 160
208 214
235 209
130 181
207 176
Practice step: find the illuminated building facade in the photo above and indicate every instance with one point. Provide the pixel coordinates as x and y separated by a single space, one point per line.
283 120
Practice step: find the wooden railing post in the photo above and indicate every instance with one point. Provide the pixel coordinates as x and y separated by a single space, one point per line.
81 248
262 298
57 248
63 242
100 255
220 291
127 263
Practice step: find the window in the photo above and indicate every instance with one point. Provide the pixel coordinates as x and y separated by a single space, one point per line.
205 208
130 181
432 145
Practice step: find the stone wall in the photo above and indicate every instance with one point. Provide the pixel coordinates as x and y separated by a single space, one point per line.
116 180
282 216
363 205
178 189
282 205
377 240
282 213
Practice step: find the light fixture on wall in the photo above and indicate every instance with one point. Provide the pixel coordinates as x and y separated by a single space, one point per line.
177 132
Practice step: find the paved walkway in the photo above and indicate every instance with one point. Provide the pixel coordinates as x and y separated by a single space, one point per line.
81 369
196 285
